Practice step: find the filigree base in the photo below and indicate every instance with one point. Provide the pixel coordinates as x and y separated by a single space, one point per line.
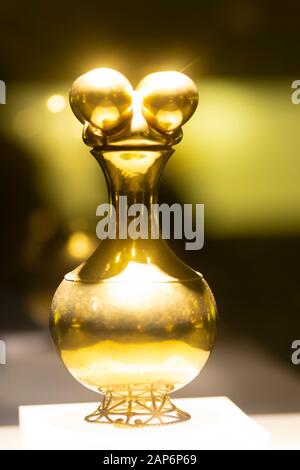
137 406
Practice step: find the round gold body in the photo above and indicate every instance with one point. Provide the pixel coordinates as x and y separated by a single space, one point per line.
139 331
112 334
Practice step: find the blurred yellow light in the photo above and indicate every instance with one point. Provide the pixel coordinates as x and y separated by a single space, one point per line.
79 245
56 103
27 123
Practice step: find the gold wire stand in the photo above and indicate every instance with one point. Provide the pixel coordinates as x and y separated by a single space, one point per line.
137 406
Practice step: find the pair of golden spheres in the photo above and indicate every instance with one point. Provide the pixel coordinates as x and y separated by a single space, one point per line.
105 99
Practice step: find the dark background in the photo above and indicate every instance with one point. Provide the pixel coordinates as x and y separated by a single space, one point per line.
240 38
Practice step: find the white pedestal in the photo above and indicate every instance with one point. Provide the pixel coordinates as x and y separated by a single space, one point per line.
216 423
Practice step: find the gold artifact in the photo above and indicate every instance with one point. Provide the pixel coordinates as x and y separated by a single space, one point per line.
133 322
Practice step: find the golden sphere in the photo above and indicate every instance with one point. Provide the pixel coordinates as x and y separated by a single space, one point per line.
169 99
102 97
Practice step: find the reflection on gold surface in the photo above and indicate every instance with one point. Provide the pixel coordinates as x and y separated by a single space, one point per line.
138 327
102 97
169 99
111 363
133 319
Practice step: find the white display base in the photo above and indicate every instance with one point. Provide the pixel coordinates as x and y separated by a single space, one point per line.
216 423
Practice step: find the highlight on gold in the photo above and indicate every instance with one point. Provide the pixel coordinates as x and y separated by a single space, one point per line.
133 322
169 99
106 102
102 97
